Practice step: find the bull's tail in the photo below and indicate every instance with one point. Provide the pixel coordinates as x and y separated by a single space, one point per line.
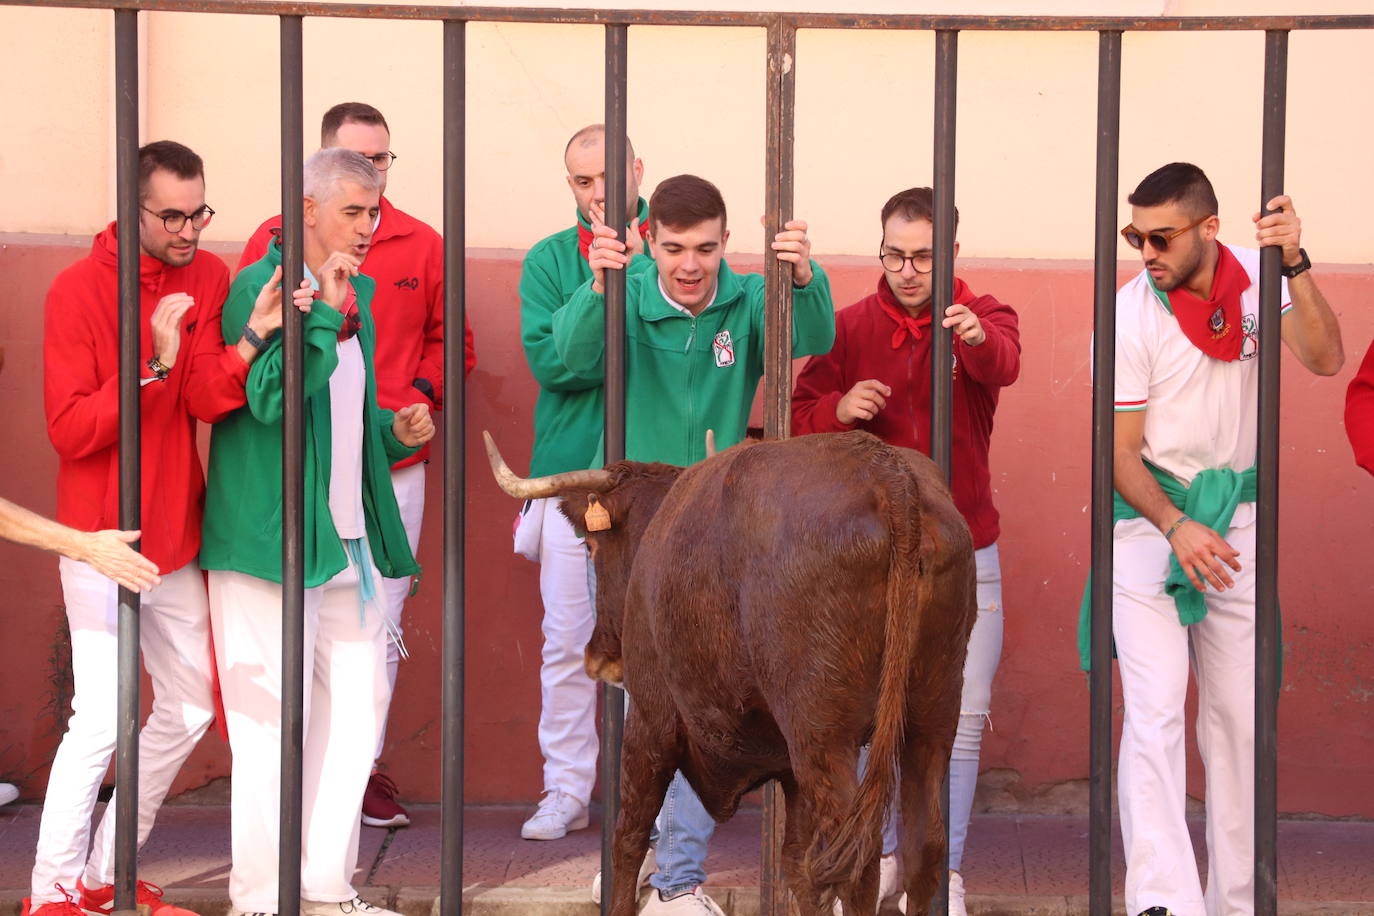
854 844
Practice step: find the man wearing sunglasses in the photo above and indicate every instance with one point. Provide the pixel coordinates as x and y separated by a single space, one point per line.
1187 376
877 378
406 258
177 286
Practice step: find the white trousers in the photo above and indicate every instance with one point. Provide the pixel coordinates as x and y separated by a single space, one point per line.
409 484
1154 653
567 714
346 697
174 636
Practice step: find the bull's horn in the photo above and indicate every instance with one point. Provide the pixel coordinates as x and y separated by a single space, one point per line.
539 487
710 443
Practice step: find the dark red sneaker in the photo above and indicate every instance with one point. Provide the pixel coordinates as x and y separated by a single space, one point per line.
380 808
101 900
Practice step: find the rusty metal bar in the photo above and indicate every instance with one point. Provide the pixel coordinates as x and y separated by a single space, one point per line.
779 174
130 454
613 698
1104 432
754 19
293 477
1267 640
455 421
942 296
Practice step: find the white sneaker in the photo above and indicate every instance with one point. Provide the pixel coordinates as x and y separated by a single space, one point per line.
694 904
646 868
956 895
557 814
889 882
8 793
355 907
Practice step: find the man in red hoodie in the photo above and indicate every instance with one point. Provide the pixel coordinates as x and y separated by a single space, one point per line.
877 377
177 286
407 261
1359 412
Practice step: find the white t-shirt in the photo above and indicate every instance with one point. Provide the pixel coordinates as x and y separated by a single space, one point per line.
1200 412
346 389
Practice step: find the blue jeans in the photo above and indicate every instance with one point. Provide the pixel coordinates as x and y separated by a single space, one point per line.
683 827
984 651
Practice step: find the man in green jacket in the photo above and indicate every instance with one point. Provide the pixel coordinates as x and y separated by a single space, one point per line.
353 537
567 433
694 360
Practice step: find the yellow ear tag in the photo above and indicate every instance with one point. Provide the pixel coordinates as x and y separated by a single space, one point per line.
597 518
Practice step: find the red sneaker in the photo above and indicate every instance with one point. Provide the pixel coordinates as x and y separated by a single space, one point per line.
101 900
66 907
380 808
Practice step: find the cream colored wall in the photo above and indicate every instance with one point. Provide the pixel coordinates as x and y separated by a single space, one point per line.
1027 102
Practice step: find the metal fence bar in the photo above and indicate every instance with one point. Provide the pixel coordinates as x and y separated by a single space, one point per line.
1267 458
293 475
754 19
455 422
1104 432
130 454
942 296
779 173
613 698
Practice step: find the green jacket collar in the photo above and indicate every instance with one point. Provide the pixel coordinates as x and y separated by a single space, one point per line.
363 285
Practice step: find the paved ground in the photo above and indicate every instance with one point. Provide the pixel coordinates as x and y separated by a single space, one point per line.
1015 864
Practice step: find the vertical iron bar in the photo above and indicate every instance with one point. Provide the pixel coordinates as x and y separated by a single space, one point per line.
613 698
1267 459
780 104
130 452
942 296
455 421
1104 433
293 476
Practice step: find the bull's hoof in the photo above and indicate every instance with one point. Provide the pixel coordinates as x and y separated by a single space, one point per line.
610 670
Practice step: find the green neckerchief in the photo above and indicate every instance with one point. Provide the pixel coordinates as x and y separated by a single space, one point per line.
1211 501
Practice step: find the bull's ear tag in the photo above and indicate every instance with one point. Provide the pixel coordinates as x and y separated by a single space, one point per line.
597 518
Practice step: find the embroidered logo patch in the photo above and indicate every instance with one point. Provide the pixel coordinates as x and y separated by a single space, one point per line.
1249 346
724 349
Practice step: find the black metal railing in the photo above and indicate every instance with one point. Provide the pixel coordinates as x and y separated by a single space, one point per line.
780 67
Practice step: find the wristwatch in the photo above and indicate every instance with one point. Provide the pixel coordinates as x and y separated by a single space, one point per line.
1304 264
158 369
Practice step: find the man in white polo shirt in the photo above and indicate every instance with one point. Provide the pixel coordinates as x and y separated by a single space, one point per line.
1187 378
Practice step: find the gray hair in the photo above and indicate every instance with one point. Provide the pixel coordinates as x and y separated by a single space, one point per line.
326 168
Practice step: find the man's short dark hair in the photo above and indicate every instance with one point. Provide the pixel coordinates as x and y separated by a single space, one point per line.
343 113
1178 182
684 201
914 204
590 134
170 156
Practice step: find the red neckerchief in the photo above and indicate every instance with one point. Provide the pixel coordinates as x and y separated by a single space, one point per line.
352 321
584 236
1213 325
906 324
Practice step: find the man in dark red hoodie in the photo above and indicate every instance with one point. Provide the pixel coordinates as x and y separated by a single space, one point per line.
407 261
877 377
178 284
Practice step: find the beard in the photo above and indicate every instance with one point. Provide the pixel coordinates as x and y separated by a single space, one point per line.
1181 273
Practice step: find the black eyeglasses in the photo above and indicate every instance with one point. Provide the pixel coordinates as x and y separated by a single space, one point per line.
382 161
893 261
1159 241
175 221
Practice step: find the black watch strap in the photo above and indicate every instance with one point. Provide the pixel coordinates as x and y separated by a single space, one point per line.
252 337
1304 264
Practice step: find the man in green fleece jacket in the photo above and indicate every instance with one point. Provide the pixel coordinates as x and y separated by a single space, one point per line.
695 341
567 432
353 537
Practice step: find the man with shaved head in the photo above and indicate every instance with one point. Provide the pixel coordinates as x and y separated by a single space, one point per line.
567 433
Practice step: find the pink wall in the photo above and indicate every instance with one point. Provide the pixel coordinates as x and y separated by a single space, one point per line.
1040 460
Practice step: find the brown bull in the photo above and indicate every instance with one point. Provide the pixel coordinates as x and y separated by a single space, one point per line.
771 610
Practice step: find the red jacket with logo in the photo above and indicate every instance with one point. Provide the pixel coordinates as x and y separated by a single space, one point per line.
864 349
407 261
81 397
